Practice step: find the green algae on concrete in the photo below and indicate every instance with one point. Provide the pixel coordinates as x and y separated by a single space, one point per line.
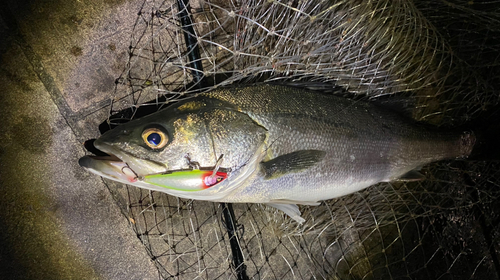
57 221
72 40
33 244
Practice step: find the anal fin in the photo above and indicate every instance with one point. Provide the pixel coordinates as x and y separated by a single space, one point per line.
412 176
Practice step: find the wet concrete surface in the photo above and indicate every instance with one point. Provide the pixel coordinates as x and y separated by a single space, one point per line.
58 63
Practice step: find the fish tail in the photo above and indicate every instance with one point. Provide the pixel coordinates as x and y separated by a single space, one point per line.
487 144
467 144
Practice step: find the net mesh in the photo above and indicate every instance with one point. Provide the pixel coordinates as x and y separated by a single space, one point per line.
443 55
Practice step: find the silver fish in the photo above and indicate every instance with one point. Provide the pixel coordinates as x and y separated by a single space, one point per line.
281 145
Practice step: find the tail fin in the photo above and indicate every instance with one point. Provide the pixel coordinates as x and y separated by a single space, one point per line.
487 146
487 131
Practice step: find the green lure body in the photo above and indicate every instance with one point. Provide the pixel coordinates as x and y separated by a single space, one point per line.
192 180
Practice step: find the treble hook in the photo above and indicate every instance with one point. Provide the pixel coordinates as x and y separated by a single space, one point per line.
217 165
193 164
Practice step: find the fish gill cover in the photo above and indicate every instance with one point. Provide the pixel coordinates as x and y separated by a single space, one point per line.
441 55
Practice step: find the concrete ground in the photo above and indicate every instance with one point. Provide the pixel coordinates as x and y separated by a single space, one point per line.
58 63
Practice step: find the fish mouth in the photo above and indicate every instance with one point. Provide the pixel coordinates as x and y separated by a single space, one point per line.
114 164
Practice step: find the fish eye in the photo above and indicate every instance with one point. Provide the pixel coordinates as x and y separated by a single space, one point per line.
154 138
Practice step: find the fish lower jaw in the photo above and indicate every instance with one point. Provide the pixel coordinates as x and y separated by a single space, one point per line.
109 167
130 165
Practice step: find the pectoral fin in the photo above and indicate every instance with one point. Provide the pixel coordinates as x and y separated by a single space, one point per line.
291 163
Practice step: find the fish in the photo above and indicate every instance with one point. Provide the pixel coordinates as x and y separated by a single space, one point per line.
274 144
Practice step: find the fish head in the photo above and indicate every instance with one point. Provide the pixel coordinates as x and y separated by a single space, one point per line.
193 134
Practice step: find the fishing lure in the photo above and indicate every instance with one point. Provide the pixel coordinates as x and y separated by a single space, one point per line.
188 180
